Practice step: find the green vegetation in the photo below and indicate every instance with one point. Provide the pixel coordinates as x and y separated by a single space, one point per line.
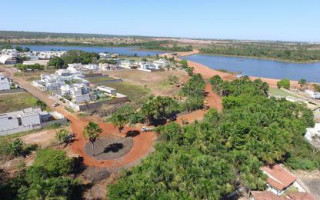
163 46
73 56
136 94
280 92
122 117
284 83
29 67
193 90
294 52
62 136
16 101
18 48
76 56
56 62
92 132
302 82
47 178
212 158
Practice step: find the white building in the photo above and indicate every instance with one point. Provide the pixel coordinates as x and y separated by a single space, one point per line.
27 119
4 83
161 63
312 94
313 133
108 90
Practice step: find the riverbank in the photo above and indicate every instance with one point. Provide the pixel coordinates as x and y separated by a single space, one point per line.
262 58
207 72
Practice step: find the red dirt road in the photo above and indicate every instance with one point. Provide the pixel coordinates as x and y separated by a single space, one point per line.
212 100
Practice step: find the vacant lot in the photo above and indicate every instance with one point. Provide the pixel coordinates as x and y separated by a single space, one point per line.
137 94
16 101
33 75
279 92
157 82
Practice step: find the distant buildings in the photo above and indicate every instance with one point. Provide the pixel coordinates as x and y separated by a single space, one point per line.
312 94
28 119
4 83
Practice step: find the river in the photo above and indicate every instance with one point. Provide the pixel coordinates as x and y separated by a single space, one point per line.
128 51
260 67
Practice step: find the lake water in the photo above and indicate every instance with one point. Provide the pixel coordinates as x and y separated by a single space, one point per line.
128 51
260 67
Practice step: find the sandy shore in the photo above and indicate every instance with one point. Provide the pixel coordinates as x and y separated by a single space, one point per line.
207 72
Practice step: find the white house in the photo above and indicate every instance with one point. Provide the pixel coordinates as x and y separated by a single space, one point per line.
161 63
4 83
28 119
108 90
313 133
312 94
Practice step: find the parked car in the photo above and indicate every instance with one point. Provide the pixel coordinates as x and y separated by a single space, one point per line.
147 129
55 104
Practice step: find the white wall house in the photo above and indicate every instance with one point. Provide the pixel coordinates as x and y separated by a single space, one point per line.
312 94
28 119
313 133
108 90
4 83
161 63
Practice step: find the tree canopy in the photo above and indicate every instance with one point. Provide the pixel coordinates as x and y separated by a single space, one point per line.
224 152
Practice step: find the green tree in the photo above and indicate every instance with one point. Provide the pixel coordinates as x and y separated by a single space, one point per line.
184 64
56 62
92 132
302 82
121 117
190 70
284 83
16 147
62 136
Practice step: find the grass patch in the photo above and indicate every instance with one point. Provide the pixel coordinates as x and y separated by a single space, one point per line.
16 101
69 109
136 94
99 79
279 92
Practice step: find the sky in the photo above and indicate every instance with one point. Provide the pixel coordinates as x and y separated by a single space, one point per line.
286 20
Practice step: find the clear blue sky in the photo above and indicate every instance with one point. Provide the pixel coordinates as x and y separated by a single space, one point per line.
291 20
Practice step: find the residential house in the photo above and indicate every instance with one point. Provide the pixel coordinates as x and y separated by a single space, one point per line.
108 90
27 119
4 83
313 133
161 63
280 179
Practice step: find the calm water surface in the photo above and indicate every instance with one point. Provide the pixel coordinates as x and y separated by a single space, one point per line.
260 67
129 51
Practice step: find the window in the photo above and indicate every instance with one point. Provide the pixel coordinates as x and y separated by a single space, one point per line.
19 121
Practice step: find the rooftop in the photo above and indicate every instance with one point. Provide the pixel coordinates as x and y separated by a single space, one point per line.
278 176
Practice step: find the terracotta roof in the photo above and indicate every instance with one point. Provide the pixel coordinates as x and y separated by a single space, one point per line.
300 196
266 195
279 177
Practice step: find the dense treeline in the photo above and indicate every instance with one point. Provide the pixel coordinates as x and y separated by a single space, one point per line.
163 46
211 159
47 178
74 56
273 52
29 67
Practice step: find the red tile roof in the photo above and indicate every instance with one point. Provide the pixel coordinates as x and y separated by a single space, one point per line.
266 195
300 196
279 177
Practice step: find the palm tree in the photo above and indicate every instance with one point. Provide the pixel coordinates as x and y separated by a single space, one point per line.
91 132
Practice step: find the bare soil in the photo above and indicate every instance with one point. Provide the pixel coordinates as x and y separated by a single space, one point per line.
108 148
